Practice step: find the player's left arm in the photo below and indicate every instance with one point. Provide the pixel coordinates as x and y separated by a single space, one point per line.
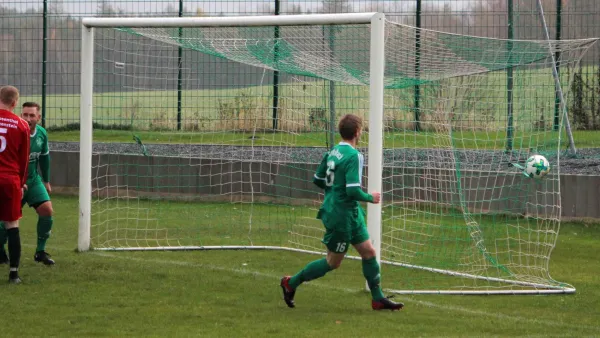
353 168
320 178
45 164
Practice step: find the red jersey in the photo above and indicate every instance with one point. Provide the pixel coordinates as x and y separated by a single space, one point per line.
14 146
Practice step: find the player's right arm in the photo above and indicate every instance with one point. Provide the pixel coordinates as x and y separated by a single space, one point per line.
320 178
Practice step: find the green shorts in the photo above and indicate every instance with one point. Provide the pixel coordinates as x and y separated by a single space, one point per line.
35 195
344 231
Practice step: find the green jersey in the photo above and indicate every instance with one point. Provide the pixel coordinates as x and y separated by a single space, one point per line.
39 155
341 171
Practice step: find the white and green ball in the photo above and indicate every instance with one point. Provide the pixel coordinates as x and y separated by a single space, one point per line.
537 166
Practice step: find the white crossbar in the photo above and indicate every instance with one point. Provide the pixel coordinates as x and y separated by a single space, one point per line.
245 21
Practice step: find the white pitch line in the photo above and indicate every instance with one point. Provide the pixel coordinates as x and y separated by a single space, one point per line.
350 290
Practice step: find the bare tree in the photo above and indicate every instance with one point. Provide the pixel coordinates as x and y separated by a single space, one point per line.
290 8
489 19
265 9
106 9
336 6
170 10
444 19
56 7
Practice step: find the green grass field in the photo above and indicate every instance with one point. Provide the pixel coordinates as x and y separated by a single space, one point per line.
236 293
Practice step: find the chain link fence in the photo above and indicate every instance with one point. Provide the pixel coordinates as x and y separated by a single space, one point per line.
40 43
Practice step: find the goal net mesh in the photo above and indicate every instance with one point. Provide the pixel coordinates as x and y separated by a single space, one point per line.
218 131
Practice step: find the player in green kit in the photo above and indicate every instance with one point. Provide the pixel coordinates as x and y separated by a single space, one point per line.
339 174
38 187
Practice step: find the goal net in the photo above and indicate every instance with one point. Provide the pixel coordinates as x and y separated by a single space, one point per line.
218 125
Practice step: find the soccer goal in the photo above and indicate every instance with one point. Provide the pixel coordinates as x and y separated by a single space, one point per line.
227 118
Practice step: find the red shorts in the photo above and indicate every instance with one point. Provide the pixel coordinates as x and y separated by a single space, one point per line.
10 199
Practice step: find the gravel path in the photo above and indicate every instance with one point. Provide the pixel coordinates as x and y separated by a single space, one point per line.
587 163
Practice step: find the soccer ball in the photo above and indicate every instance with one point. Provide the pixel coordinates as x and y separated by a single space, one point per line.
537 166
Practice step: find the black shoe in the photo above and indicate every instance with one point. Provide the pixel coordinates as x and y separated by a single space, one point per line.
386 304
44 257
13 277
288 292
15 280
3 257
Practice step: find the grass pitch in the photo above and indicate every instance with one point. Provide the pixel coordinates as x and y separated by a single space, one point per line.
236 293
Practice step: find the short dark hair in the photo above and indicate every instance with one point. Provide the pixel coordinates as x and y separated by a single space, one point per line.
349 125
9 95
32 105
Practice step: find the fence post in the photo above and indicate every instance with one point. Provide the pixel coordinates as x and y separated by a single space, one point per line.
557 58
509 80
179 72
44 59
276 73
417 99
557 86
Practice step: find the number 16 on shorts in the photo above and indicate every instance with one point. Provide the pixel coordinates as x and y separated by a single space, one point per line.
340 247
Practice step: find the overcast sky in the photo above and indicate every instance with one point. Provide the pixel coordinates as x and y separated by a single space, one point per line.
76 7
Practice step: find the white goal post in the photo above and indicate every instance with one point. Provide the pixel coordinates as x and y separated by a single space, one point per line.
457 217
377 65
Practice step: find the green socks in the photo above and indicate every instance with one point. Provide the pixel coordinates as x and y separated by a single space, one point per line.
319 268
313 270
44 226
372 275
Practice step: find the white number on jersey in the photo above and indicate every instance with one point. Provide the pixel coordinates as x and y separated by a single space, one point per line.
3 139
330 174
